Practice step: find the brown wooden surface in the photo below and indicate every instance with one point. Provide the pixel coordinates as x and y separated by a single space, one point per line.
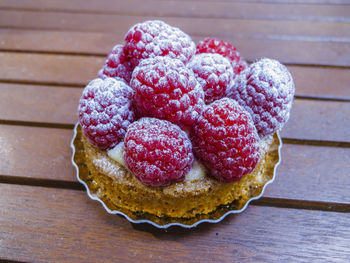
226 9
319 52
31 145
310 119
50 49
77 70
81 231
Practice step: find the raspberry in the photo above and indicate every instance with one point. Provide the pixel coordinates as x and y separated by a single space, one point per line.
157 152
105 111
156 38
214 73
166 89
116 65
214 45
266 90
225 139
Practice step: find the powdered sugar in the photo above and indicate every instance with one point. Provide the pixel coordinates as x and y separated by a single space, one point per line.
116 65
225 140
156 38
266 90
105 111
214 45
157 152
166 89
214 73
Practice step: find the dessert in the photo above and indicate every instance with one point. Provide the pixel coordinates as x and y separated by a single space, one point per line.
168 133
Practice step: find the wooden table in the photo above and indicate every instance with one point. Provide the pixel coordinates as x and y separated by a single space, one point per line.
49 50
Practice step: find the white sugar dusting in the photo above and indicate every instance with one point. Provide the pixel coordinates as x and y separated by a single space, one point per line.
160 39
266 90
214 73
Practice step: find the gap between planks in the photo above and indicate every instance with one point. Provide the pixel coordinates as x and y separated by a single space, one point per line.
104 55
67 126
166 9
2 260
263 201
75 85
285 140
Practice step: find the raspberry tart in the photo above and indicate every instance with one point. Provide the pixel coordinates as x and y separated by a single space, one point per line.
172 134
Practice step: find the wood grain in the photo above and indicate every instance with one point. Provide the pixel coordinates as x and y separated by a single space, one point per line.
52 69
204 9
79 70
313 2
36 152
251 47
47 104
319 120
310 120
220 27
306 172
312 173
40 224
316 81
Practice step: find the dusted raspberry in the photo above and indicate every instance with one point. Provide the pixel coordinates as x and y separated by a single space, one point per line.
214 45
156 38
225 140
105 111
166 89
116 65
157 152
266 90
214 73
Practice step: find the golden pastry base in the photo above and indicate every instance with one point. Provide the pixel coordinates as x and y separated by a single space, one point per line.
78 160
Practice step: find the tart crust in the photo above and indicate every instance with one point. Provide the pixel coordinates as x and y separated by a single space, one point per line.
119 189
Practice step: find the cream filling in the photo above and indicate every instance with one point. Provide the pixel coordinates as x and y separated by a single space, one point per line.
117 153
197 171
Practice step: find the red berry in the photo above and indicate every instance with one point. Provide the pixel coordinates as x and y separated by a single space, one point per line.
266 90
214 45
166 89
214 73
105 111
225 140
157 152
116 65
156 38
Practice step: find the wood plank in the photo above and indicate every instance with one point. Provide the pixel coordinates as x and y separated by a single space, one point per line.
47 104
314 2
58 41
204 9
219 27
53 69
315 81
78 70
310 119
32 152
250 47
312 173
319 120
41 224
306 172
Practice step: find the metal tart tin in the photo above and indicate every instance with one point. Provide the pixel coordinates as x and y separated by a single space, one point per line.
78 161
